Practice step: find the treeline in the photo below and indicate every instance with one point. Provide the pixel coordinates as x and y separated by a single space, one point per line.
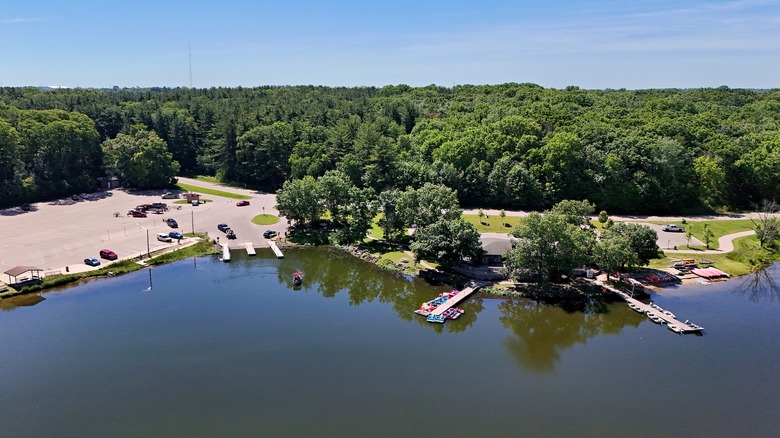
511 146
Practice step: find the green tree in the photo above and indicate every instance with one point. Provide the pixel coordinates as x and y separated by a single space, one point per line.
576 212
300 201
603 217
393 220
447 242
642 239
766 224
502 215
481 215
334 189
708 236
141 159
358 215
548 246
434 202
11 188
712 181
613 253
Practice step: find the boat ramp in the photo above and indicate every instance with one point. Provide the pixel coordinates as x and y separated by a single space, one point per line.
275 249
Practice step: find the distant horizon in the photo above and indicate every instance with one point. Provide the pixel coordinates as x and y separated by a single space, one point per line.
603 44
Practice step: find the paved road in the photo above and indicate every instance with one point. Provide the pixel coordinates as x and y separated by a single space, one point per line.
53 236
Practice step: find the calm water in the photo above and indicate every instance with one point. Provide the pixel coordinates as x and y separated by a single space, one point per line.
216 349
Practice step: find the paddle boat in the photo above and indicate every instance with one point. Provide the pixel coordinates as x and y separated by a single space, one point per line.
635 308
674 328
297 278
655 318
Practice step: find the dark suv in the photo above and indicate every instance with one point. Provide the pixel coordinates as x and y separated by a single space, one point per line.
223 227
171 222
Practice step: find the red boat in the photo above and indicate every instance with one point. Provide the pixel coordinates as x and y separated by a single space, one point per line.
297 278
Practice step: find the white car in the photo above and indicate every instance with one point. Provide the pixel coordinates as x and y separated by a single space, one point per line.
673 228
164 237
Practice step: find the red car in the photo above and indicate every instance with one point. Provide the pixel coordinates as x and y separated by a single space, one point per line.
242 203
108 254
136 213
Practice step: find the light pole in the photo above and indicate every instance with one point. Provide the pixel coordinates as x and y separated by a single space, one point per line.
148 251
192 213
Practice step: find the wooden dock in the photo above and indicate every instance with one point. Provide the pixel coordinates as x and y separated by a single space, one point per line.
276 249
225 252
452 301
665 315
250 249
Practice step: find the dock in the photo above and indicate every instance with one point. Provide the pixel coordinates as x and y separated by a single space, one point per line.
448 304
276 249
250 249
667 317
225 252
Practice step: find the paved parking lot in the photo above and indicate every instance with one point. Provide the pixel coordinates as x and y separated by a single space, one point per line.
53 236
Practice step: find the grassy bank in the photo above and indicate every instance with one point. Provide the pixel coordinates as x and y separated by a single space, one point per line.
746 257
214 192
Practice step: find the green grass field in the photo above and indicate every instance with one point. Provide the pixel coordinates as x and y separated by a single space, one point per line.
493 223
213 192
265 219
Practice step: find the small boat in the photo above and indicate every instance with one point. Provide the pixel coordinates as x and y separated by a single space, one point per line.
297 278
635 308
655 318
674 328
668 313
695 326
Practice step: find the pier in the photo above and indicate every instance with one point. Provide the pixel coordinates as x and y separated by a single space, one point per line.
665 316
276 249
225 252
435 315
250 249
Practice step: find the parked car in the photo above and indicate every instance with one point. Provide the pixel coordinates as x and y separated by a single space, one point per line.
673 228
176 235
136 213
91 261
170 195
268 234
171 222
108 254
223 227
160 205
242 203
143 207
230 234
164 237
195 202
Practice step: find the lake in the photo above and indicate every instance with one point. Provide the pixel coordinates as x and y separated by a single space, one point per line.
205 348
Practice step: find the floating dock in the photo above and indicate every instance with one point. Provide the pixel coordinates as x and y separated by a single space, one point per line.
250 249
276 249
435 315
665 316
225 252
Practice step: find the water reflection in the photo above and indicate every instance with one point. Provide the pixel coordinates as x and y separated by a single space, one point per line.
330 271
543 331
7 304
761 284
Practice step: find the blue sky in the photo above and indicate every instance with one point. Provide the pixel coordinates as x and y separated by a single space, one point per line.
592 44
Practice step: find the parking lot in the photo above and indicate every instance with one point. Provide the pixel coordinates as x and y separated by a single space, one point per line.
60 234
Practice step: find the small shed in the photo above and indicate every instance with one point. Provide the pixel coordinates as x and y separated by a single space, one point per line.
191 196
109 182
15 274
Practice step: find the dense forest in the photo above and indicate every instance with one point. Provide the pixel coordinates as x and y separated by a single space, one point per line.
510 146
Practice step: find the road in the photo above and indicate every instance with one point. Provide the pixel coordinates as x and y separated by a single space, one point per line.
56 235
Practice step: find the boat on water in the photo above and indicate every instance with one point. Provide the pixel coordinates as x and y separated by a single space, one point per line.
635 308
297 278
674 328
655 318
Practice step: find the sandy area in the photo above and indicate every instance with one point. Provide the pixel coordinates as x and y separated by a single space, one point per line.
56 235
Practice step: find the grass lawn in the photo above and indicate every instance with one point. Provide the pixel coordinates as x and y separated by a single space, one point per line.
207 178
719 228
493 224
376 231
208 191
184 201
747 255
265 219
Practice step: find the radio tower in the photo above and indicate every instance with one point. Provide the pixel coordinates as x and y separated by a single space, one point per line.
189 51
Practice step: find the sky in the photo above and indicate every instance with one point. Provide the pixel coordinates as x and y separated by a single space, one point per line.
593 44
